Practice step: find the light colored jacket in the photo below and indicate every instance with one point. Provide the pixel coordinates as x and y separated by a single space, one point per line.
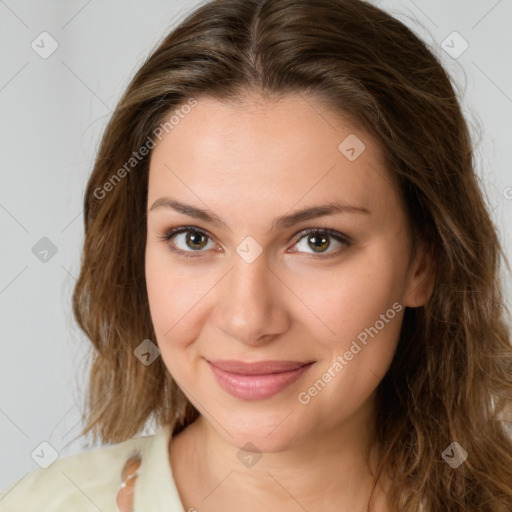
89 481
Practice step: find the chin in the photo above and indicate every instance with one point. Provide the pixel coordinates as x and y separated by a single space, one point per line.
269 433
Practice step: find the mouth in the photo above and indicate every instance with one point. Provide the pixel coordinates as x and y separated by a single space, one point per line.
257 380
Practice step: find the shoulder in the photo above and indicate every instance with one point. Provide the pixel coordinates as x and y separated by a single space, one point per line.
87 481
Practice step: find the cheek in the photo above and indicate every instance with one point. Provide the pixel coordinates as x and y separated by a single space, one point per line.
170 294
359 359
363 309
352 297
177 299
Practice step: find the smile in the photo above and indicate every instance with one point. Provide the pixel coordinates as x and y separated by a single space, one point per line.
258 380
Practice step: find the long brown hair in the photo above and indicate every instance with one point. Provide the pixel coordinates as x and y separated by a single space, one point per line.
450 380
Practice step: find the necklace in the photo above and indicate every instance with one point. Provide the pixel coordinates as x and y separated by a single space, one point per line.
129 475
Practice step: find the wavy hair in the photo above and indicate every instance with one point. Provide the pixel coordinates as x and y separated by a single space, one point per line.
450 379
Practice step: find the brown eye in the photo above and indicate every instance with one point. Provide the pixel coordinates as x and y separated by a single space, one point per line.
187 241
195 239
320 240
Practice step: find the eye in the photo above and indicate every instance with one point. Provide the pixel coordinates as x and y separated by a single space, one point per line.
319 240
187 240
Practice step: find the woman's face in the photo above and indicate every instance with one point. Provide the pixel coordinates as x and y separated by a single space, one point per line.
319 314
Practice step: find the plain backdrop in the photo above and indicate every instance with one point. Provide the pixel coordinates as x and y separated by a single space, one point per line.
53 109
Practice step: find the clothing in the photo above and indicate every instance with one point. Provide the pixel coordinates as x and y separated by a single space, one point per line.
89 481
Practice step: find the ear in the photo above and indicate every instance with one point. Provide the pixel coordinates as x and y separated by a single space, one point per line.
421 278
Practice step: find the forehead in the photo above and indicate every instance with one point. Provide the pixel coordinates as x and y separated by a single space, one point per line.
283 150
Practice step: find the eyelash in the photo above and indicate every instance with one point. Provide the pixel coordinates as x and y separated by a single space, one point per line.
166 237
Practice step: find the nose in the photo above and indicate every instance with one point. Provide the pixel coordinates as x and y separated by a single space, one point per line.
252 307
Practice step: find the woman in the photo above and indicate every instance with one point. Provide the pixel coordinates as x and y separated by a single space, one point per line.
289 265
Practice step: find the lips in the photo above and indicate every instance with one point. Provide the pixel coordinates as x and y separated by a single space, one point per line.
257 380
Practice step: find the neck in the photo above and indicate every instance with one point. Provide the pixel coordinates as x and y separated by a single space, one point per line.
328 471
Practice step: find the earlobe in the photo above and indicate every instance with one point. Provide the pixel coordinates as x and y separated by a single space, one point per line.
422 277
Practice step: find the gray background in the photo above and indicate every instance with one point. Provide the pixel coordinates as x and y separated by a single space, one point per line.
52 113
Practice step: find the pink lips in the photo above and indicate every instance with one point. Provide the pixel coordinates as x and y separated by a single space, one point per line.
255 381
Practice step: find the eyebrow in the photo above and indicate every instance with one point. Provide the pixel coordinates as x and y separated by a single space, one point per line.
282 222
